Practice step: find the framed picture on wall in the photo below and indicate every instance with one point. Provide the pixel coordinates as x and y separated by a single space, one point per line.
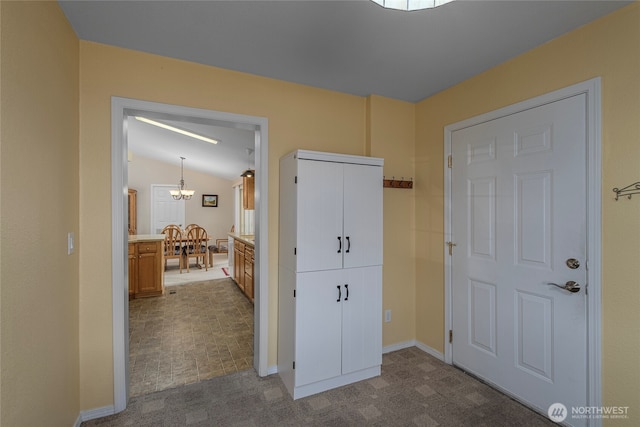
210 200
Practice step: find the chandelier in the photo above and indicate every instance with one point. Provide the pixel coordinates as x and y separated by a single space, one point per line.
411 4
181 193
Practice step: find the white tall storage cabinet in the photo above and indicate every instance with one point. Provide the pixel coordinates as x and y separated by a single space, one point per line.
330 270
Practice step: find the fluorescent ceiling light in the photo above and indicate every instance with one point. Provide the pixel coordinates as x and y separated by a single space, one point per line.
411 4
177 130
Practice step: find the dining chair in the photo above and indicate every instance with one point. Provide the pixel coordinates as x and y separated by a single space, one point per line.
172 244
189 227
221 247
195 245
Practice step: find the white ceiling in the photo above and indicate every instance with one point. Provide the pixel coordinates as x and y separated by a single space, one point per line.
227 159
355 47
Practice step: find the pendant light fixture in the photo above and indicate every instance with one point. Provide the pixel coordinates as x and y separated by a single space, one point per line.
181 193
249 173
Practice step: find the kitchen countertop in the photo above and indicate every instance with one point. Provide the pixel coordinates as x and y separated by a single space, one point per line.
145 238
247 239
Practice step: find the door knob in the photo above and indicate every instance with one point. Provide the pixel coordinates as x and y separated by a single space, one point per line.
570 286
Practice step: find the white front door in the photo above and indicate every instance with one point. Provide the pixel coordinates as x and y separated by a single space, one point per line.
164 209
518 204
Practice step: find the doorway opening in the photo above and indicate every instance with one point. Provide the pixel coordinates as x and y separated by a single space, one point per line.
121 108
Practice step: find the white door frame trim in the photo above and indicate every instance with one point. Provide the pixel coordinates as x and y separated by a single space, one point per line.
120 109
592 90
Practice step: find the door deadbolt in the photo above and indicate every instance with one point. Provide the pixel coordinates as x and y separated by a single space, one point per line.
573 263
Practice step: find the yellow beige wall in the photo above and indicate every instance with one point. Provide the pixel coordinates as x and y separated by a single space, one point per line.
39 205
390 135
299 117
40 333
610 48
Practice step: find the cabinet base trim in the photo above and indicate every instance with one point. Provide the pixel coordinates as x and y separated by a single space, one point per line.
320 386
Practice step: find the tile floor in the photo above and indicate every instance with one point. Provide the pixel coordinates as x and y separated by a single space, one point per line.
194 332
415 389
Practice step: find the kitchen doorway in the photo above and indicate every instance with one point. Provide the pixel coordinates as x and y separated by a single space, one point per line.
121 109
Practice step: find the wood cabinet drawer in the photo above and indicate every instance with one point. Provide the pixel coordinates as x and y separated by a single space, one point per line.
147 248
239 246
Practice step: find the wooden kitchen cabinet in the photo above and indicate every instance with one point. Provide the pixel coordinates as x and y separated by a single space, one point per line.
248 271
133 211
248 198
133 270
238 262
146 277
243 264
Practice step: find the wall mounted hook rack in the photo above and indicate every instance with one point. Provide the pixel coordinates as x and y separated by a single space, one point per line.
628 191
397 183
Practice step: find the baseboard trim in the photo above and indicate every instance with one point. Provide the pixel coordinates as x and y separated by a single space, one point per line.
272 370
414 343
398 346
430 350
92 414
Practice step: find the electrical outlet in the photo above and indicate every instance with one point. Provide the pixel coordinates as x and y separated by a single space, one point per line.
387 316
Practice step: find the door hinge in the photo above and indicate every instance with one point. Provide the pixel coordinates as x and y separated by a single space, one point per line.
449 161
295 251
451 245
294 364
295 180
450 335
294 293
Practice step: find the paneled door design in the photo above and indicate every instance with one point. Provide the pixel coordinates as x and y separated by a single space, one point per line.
165 210
519 268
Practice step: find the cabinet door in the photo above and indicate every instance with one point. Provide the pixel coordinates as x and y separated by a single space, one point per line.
239 265
318 326
133 215
320 244
362 215
133 270
362 319
149 269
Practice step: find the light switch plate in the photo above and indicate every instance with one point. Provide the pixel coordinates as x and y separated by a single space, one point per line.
70 243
